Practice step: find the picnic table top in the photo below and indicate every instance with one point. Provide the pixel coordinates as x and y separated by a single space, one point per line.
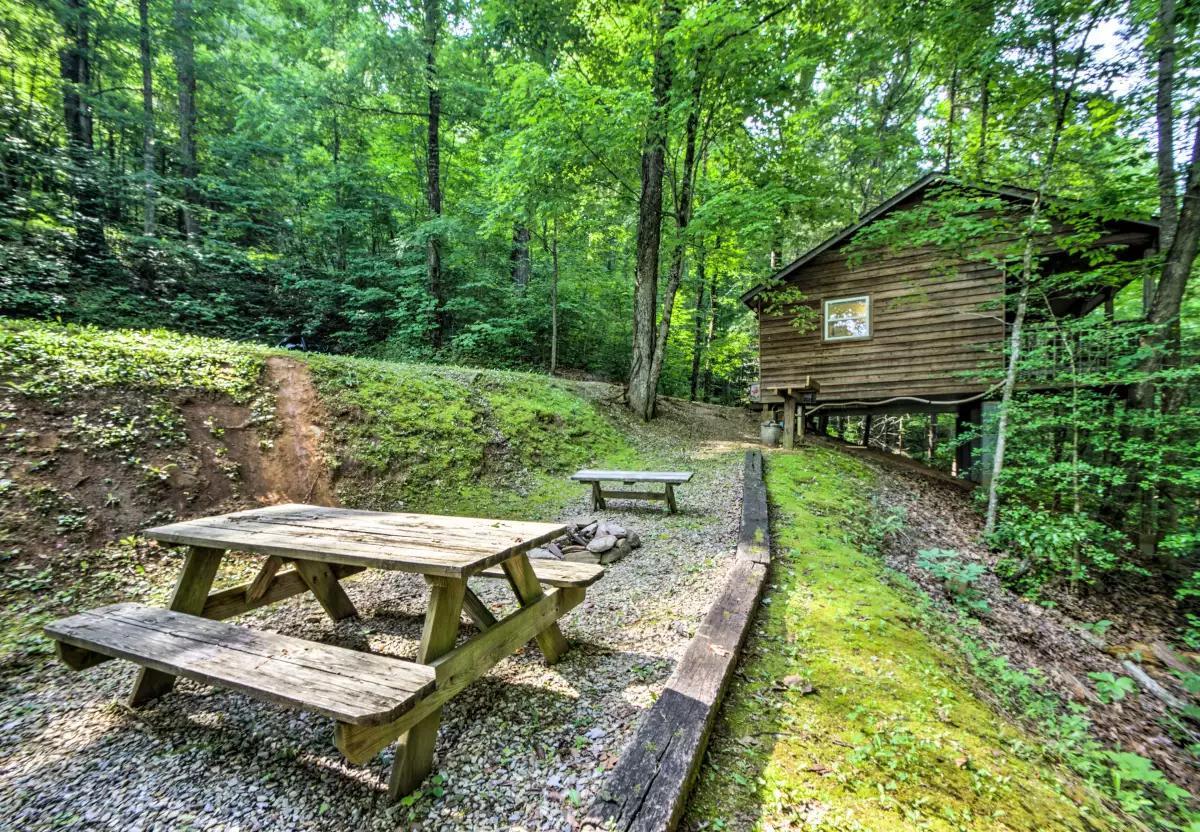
428 544
673 477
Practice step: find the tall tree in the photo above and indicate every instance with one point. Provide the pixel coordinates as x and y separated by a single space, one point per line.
75 66
433 170
643 384
185 73
147 64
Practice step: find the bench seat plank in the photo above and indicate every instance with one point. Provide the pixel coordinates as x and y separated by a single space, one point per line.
672 477
347 685
558 573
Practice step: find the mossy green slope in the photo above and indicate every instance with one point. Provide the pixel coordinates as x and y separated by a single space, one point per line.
845 715
454 440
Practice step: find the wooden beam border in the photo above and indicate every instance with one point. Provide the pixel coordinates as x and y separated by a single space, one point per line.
648 789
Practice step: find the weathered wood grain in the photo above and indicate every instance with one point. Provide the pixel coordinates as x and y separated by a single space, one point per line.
647 790
589 475
414 751
347 685
428 544
191 592
459 668
556 572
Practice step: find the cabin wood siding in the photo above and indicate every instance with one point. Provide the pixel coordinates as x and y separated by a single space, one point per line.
934 319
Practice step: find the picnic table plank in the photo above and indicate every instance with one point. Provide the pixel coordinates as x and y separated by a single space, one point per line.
347 685
673 477
426 544
556 572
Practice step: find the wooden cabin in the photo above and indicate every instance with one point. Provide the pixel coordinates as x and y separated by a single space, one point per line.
905 329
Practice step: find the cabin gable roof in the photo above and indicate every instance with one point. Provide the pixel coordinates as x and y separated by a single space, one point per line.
916 188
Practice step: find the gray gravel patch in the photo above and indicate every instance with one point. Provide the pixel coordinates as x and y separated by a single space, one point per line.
524 748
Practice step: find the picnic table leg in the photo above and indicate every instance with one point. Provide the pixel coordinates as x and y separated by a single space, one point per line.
324 584
414 751
597 496
529 590
671 499
190 594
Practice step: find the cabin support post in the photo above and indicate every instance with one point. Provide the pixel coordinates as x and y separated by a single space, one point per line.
789 420
823 424
866 437
801 427
969 415
931 437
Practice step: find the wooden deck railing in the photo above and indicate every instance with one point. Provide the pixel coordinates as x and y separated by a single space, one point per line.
1048 353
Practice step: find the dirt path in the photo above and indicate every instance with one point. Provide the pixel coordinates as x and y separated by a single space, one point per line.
295 469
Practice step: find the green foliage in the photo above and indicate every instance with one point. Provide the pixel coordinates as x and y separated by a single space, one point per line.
960 577
51 361
1110 688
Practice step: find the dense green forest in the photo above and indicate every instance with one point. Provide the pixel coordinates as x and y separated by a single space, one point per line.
465 181
570 185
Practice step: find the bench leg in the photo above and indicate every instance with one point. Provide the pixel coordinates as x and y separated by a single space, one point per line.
324 584
414 752
190 594
597 497
528 591
671 507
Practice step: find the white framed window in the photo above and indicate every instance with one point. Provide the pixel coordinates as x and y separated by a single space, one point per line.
847 318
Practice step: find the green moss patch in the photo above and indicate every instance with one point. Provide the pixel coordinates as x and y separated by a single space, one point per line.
845 715
49 360
445 439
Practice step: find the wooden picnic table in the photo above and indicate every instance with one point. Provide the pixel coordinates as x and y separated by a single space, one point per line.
375 699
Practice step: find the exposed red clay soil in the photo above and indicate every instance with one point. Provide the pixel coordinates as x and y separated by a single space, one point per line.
295 470
68 495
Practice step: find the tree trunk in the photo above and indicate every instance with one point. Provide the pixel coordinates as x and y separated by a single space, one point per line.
522 264
698 322
683 217
433 171
1010 376
75 70
554 300
642 384
148 196
985 95
712 329
950 119
185 72
1164 112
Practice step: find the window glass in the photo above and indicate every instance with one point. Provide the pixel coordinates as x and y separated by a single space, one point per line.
848 318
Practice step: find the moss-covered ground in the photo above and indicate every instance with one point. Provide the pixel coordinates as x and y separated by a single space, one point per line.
459 441
845 715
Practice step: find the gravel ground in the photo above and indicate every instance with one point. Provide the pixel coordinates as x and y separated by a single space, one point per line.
524 748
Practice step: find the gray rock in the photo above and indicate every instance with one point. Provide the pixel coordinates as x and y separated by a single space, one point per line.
602 543
635 540
615 529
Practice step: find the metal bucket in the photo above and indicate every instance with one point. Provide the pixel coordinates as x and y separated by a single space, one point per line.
770 433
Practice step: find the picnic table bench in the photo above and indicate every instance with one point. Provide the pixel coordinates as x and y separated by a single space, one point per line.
669 479
374 699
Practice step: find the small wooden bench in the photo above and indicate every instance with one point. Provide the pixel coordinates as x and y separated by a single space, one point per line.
347 685
669 479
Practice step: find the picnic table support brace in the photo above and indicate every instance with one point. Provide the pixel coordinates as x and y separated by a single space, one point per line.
191 592
414 752
478 611
323 583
